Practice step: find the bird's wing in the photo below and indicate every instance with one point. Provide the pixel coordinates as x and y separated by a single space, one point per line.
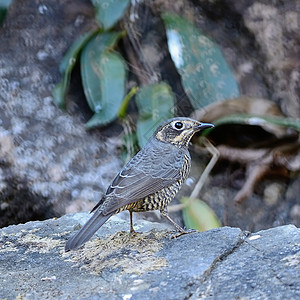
151 170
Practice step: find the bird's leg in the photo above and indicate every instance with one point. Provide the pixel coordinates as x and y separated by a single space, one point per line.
132 231
181 231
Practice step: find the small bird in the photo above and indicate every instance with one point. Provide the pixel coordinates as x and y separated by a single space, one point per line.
149 181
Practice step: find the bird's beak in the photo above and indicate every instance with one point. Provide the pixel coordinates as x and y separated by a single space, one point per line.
202 126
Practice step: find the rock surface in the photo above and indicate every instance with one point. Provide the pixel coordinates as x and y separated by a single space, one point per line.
49 164
223 263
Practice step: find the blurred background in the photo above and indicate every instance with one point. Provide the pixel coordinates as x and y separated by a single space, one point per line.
84 84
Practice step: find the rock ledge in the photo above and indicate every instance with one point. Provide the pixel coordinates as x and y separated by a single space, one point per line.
223 263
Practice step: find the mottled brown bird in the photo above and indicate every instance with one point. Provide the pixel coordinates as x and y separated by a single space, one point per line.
149 181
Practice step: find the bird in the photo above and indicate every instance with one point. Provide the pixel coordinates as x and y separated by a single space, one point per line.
149 181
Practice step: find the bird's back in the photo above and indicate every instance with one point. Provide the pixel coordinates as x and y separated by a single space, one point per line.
160 199
150 180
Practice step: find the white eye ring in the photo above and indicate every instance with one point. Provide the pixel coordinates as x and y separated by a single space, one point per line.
178 125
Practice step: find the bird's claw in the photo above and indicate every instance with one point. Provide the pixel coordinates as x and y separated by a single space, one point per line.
132 234
180 233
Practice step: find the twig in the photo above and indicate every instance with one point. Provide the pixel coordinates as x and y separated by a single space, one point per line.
196 191
260 162
254 174
215 156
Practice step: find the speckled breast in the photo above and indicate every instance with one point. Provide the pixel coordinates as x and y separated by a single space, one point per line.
161 199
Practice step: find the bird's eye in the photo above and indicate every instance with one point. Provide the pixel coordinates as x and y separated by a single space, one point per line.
178 125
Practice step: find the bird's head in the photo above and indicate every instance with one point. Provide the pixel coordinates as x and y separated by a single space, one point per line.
179 131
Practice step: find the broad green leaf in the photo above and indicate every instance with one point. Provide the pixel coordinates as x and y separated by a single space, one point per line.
155 104
66 67
109 12
198 215
259 121
272 124
69 60
90 69
111 70
205 74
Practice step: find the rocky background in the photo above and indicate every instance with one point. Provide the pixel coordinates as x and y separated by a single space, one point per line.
48 161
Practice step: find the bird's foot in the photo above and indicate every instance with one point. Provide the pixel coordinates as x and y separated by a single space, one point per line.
182 232
132 233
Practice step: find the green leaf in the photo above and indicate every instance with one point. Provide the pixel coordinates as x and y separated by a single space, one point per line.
66 67
198 215
126 100
69 60
109 12
90 68
259 121
130 146
111 69
60 90
155 104
4 4
205 74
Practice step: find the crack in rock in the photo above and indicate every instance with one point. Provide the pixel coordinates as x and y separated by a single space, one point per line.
241 240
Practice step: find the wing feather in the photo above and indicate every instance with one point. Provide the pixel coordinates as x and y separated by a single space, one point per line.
147 173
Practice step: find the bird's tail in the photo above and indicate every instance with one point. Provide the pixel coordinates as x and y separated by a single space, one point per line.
86 232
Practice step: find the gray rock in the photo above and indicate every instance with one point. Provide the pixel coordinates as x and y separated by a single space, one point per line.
265 266
50 165
223 263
